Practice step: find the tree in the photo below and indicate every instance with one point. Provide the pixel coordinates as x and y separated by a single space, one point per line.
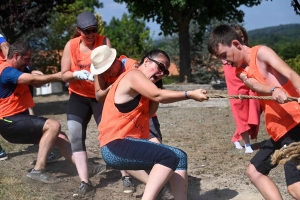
49 41
129 36
296 5
19 17
174 16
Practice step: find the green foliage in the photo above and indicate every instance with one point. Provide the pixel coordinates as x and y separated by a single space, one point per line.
175 16
129 36
49 41
294 63
20 17
170 79
283 39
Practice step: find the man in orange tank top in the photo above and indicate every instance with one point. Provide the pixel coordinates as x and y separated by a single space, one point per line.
267 74
16 124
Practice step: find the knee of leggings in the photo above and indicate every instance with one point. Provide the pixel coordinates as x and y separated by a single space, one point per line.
182 164
77 144
177 160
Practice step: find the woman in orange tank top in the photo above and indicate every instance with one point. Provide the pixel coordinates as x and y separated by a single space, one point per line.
82 105
124 128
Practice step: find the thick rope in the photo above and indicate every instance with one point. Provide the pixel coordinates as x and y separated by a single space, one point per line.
240 96
286 153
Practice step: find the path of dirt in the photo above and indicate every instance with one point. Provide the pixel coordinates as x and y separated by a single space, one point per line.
203 130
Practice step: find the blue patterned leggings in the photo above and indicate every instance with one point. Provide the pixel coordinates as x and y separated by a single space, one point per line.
138 154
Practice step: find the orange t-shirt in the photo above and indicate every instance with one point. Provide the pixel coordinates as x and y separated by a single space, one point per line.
19 101
80 61
116 125
279 118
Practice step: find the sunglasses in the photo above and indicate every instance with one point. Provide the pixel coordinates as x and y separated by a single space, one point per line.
89 31
161 67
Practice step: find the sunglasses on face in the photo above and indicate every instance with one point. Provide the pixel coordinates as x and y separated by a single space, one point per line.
161 67
89 31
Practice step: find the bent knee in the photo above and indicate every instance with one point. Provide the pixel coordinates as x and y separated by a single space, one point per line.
252 172
53 125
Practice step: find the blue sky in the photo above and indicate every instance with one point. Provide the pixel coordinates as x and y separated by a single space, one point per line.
268 13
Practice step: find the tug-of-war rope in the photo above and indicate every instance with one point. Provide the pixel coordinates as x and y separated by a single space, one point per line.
286 153
241 96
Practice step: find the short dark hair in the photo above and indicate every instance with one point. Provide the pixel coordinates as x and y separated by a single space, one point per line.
154 54
222 34
18 47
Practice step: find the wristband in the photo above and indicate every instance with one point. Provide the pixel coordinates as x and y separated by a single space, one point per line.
272 90
185 94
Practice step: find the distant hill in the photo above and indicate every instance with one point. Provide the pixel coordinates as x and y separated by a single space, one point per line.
275 35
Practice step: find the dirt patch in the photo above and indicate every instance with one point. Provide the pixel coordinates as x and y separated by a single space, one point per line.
203 130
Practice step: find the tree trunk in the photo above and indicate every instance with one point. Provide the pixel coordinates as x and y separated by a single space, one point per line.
184 57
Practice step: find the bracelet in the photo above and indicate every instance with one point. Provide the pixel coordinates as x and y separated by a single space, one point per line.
185 94
272 90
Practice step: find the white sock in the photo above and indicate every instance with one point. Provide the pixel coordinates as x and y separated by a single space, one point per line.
248 148
238 145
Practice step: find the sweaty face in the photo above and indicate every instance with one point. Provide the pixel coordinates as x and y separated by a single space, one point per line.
228 55
159 67
115 70
88 35
23 61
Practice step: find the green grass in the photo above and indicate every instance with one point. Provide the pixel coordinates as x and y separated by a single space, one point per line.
171 79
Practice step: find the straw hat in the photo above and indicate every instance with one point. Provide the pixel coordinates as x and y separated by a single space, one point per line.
102 58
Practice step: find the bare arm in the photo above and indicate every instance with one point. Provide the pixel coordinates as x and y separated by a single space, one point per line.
254 85
38 80
268 56
101 88
67 74
108 43
4 48
145 87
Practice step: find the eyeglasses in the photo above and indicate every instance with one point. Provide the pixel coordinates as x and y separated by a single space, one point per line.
89 31
161 67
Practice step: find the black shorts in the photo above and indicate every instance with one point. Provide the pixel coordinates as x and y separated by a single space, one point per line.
262 159
22 128
154 127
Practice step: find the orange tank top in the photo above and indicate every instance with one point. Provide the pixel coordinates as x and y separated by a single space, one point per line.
116 125
80 61
127 63
279 118
19 101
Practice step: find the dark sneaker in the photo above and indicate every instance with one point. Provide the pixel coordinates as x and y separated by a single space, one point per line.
128 186
43 176
3 155
96 169
84 190
51 158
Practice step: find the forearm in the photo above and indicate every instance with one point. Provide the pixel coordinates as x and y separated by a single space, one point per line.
4 48
101 94
68 76
39 80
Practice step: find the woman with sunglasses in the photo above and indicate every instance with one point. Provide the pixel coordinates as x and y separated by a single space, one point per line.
131 101
75 68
